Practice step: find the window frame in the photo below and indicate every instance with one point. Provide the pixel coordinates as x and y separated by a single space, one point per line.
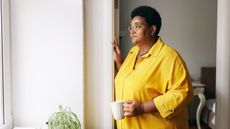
5 77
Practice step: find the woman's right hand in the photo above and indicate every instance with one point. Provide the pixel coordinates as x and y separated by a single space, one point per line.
117 54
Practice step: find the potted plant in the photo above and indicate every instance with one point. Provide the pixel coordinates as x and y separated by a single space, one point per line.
64 119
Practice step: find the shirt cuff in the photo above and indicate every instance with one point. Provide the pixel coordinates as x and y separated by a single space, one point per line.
164 112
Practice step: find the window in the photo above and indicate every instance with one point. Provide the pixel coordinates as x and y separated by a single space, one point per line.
5 89
1 86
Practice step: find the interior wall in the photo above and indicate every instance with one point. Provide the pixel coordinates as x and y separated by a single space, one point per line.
187 25
47 59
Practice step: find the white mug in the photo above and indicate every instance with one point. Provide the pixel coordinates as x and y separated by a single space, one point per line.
117 110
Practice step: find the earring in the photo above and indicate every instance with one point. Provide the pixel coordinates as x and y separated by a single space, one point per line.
152 34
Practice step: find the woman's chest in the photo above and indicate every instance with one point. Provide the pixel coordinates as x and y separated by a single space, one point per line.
142 79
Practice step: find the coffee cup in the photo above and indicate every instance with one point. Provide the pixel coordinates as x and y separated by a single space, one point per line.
117 110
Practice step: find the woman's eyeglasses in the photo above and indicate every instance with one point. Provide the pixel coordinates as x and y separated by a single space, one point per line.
136 26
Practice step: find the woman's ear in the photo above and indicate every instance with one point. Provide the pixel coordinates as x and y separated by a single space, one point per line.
153 29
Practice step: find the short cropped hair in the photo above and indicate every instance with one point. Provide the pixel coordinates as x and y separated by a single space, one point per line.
151 16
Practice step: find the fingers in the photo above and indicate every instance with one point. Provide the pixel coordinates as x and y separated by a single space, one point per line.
128 108
128 102
128 111
117 50
128 114
132 108
117 54
115 41
116 46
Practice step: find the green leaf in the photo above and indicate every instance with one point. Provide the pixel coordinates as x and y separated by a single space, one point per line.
65 119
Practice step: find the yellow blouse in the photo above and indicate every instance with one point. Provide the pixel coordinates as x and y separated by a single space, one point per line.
161 76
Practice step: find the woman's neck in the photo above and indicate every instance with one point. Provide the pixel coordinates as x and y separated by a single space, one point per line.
147 45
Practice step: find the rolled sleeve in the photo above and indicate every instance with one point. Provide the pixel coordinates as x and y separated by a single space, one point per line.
178 94
164 111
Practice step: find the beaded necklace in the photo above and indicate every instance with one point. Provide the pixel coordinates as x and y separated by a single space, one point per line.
142 53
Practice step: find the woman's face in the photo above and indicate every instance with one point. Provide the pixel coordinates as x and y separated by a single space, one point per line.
140 33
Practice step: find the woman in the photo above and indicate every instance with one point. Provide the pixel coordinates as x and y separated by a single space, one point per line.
153 80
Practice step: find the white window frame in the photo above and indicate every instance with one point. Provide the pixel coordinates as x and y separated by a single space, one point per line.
1 86
6 121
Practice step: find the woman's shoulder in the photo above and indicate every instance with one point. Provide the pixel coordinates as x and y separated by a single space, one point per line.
165 49
168 50
134 48
172 54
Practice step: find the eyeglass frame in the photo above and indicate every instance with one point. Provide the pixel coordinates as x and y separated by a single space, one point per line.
136 26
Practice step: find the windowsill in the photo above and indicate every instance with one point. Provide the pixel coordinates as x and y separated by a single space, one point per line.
6 126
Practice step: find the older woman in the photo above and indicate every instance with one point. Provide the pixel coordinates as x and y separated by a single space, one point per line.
153 79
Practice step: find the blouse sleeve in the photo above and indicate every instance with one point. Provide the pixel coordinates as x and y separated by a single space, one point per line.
179 90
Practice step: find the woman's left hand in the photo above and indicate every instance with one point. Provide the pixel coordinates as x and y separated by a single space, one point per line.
132 108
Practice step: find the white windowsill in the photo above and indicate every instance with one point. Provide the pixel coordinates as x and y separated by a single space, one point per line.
6 126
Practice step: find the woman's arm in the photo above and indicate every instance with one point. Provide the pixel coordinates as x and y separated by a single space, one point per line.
179 90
